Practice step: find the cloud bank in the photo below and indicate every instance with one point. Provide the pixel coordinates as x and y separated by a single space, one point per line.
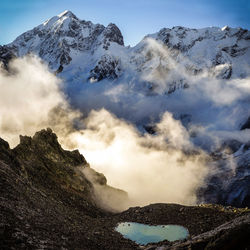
29 95
169 166
161 168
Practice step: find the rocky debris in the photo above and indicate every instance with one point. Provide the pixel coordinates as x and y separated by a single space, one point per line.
196 219
48 202
208 224
231 235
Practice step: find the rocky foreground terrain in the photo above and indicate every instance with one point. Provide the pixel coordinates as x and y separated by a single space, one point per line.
47 202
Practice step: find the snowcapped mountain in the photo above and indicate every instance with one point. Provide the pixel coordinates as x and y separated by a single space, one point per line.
201 76
64 39
209 48
82 51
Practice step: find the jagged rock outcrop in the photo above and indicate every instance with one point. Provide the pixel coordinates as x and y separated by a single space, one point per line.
45 195
246 125
112 34
107 67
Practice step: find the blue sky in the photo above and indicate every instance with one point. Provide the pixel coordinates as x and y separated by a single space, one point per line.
135 18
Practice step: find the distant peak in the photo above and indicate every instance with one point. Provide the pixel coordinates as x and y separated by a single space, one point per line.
67 13
61 17
111 25
113 33
225 28
178 28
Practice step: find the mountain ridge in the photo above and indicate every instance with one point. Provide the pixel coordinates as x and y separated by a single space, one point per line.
62 39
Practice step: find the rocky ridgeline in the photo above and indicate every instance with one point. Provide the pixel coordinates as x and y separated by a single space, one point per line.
48 203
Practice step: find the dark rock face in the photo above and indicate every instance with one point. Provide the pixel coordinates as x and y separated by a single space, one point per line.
246 124
151 129
5 56
229 185
235 192
234 50
113 34
47 203
107 67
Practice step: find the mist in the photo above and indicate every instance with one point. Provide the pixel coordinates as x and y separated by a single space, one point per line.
150 168
168 166
212 102
30 99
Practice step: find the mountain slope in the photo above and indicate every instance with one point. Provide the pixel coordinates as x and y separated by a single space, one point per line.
46 202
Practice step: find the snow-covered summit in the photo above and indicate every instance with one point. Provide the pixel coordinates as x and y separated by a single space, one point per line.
67 13
63 37
223 53
59 21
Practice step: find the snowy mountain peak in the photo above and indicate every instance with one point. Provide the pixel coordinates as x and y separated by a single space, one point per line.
67 13
92 52
65 36
62 21
225 28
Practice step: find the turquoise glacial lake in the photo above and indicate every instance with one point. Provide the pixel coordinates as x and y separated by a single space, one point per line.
143 234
